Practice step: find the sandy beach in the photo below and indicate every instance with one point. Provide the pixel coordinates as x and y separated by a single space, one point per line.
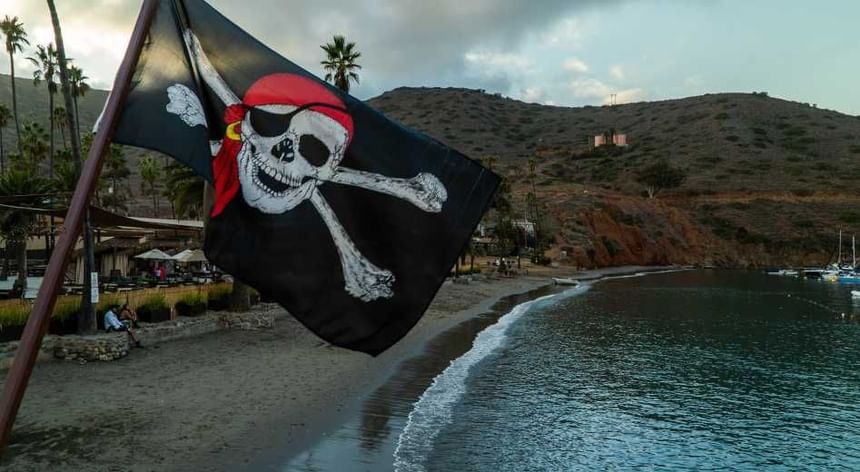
220 400
215 400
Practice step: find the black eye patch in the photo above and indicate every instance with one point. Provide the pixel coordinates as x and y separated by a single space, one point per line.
269 125
313 150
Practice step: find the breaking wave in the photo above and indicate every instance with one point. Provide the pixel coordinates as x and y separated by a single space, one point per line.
433 410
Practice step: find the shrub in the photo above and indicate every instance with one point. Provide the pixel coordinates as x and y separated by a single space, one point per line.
194 298
66 308
156 301
14 314
218 297
191 304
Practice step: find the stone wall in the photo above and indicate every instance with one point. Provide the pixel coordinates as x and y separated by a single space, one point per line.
100 347
251 321
112 346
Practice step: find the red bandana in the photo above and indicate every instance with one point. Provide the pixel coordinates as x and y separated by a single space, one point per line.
225 165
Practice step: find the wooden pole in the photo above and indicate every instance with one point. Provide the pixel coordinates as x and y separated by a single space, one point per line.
37 324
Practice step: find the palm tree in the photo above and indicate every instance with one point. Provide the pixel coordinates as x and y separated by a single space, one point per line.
150 174
185 189
34 147
59 119
340 63
16 38
5 115
17 224
45 62
80 87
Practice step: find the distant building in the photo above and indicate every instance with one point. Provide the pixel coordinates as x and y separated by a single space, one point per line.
610 137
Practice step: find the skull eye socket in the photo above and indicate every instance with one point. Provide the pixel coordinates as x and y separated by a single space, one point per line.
269 125
313 150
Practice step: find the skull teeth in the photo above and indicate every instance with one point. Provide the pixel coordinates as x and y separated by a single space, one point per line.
264 163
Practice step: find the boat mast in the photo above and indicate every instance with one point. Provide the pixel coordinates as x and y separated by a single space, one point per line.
853 253
839 260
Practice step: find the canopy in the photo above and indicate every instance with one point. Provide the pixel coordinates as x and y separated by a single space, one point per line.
154 255
190 256
179 255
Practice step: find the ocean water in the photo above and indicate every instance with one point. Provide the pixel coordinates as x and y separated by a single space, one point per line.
689 370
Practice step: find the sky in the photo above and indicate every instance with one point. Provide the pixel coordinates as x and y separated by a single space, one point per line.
559 52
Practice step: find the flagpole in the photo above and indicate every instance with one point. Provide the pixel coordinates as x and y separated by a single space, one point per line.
37 324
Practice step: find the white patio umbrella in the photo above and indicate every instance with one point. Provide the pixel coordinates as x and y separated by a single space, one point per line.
154 255
178 256
196 255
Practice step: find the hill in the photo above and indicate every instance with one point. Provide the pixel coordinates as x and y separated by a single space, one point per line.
769 181
33 106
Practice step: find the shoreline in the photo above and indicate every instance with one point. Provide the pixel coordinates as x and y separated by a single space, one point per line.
223 400
413 375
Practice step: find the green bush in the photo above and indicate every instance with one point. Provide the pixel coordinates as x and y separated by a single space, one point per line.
14 314
66 308
17 313
194 298
156 301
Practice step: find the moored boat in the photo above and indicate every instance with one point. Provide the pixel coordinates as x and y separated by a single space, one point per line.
564 281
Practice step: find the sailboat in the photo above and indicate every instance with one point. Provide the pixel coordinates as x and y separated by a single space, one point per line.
850 275
831 272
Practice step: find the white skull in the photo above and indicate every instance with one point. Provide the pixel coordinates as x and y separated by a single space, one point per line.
279 172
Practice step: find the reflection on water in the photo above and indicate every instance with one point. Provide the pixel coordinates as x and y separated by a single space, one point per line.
692 370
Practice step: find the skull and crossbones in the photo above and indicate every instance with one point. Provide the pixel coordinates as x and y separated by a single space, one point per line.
288 136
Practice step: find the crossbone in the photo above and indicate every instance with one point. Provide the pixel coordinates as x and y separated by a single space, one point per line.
278 173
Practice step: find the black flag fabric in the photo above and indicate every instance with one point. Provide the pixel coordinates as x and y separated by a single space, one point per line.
349 220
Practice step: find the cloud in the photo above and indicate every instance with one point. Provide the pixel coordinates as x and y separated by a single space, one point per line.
590 88
575 65
532 94
617 72
403 42
497 60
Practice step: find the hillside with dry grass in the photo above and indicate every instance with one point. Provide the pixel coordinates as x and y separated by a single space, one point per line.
769 181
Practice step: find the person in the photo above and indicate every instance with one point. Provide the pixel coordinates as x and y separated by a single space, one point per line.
127 314
113 324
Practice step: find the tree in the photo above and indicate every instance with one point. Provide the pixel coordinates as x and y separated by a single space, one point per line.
87 320
116 172
17 224
45 62
33 145
659 176
59 119
5 115
150 174
185 190
340 63
79 87
16 38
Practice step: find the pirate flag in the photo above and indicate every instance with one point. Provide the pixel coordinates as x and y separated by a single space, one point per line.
349 220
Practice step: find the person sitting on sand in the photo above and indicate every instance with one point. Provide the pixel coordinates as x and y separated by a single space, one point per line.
112 324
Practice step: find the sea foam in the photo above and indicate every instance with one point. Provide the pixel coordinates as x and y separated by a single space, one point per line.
433 410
